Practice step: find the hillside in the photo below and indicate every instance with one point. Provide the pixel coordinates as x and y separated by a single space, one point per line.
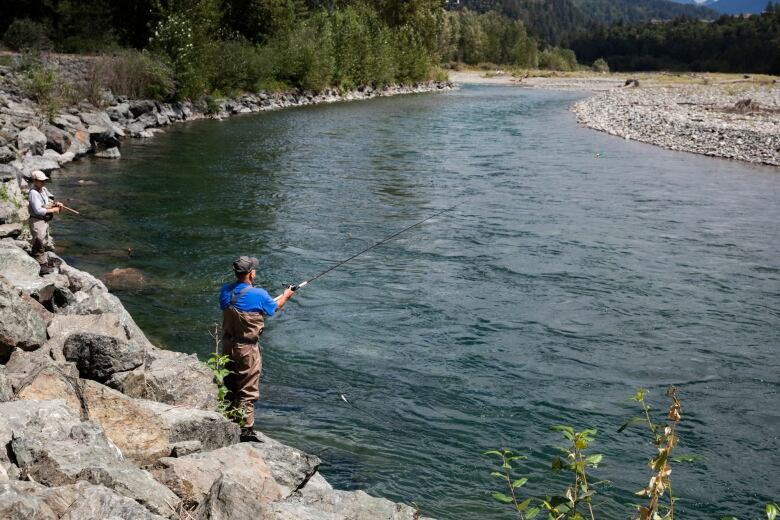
550 20
730 6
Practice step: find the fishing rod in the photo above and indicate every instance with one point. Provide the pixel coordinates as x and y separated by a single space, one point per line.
369 248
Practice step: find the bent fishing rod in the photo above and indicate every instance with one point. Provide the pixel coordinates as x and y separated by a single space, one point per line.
369 248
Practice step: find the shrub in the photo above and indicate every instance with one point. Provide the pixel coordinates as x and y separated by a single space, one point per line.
44 85
134 74
600 65
559 59
24 33
238 65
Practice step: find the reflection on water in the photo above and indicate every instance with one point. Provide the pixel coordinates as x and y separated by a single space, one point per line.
576 268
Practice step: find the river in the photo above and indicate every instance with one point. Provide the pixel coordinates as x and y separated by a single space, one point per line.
575 269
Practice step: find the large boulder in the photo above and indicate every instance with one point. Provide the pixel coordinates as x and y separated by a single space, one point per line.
87 454
61 326
170 377
141 107
192 477
81 501
183 424
18 267
20 326
13 205
31 163
99 357
230 498
290 467
144 431
81 143
326 502
57 139
31 140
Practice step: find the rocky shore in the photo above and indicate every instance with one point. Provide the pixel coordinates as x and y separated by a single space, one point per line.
737 121
96 422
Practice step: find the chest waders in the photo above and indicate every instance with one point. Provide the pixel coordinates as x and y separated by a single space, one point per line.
241 333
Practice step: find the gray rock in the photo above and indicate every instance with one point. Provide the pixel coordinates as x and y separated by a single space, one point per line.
19 267
138 108
99 502
31 140
191 477
66 121
103 137
110 153
66 158
290 467
6 155
99 357
81 143
35 162
228 499
51 154
322 502
49 419
87 454
6 392
57 138
171 378
97 300
20 326
119 112
184 448
209 429
10 230
107 324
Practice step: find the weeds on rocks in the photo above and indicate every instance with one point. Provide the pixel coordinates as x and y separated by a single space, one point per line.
576 502
218 364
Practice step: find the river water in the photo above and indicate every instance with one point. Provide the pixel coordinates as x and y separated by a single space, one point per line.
576 268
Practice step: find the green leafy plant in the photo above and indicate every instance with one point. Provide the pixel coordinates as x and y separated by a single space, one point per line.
218 364
577 463
522 507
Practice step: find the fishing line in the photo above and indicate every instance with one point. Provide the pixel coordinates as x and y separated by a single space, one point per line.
369 248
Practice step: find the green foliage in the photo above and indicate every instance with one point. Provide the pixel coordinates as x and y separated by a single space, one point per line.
218 365
43 84
730 44
25 34
558 59
600 65
477 38
135 74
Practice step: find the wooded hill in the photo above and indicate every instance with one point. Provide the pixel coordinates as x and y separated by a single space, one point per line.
551 20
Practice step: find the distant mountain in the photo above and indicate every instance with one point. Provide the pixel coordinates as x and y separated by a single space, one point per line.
551 20
730 6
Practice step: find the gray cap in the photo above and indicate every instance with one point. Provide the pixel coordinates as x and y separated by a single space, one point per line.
244 264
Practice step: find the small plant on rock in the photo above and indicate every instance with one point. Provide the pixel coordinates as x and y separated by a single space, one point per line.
218 364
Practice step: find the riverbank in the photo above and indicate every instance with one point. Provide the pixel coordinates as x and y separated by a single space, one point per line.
720 115
95 420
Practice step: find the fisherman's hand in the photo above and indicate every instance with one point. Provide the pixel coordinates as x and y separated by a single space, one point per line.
59 204
55 209
288 293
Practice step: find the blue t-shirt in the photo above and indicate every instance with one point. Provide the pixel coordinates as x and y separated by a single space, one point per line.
254 300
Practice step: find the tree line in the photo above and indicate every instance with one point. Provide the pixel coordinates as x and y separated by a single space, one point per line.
728 44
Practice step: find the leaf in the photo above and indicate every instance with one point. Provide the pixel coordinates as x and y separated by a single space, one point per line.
501 497
639 395
631 422
771 511
531 514
519 482
728 518
557 464
594 460
516 457
493 452
567 431
497 474
522 506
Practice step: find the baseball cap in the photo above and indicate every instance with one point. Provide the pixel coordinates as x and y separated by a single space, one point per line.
244 264
38 175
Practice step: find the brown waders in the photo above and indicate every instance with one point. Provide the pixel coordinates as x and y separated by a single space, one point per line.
241 333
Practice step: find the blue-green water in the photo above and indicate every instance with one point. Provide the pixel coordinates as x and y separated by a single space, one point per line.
560 284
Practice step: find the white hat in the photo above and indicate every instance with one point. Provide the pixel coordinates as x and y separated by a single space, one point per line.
38 175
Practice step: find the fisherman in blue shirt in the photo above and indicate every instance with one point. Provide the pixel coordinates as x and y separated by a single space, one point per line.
243 310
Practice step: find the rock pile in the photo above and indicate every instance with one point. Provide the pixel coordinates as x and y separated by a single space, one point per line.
704 119
96 422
